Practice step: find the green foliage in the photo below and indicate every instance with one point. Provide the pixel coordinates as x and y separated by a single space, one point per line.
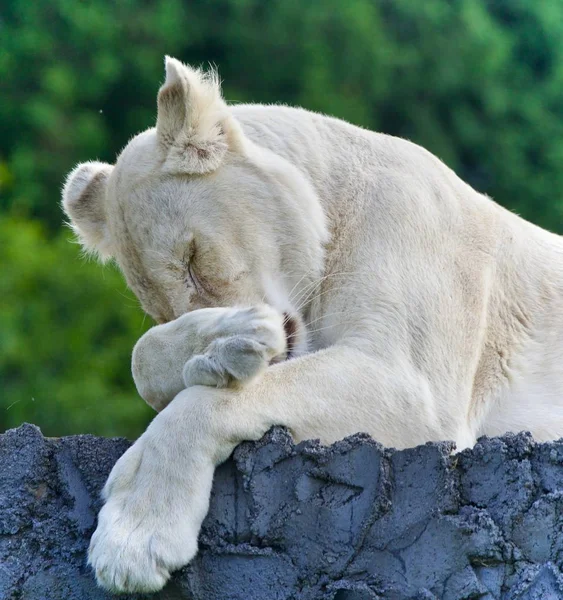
67 335
477 82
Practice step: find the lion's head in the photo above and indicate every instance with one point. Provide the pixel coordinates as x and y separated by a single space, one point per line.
195 213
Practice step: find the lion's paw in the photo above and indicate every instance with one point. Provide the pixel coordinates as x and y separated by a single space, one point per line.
146 529
258 339
128 556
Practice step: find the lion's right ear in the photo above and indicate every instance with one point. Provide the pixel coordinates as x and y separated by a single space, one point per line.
194 126
84 202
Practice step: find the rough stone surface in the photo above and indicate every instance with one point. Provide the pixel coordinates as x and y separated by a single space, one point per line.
353 521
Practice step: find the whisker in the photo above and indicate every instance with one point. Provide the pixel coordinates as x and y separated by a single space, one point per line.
128 298
309 285
301 299
293 288
304 296
288 274
311 299
306 293
327 327
338 312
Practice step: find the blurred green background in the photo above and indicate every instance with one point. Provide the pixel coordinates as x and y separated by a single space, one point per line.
477 82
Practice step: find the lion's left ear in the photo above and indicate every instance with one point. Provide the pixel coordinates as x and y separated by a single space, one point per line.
84 202
194 126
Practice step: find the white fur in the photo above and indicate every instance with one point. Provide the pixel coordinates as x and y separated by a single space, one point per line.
219 347
419 309
84 202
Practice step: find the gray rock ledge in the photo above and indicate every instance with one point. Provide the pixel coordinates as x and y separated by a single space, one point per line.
352 521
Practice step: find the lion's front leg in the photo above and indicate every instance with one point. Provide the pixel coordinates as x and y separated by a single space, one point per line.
156 498
158 493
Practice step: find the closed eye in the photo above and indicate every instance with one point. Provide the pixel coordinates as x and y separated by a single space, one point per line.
194 280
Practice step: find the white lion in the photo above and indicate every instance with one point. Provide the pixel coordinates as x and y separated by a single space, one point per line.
412 307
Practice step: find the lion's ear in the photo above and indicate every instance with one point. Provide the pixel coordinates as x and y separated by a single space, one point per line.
194 125
84 198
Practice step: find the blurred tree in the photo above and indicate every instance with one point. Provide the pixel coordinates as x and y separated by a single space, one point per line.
67 335
477 82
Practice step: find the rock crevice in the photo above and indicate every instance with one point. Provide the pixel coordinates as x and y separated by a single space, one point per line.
351 521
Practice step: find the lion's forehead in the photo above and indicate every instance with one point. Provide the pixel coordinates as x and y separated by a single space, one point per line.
141 156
